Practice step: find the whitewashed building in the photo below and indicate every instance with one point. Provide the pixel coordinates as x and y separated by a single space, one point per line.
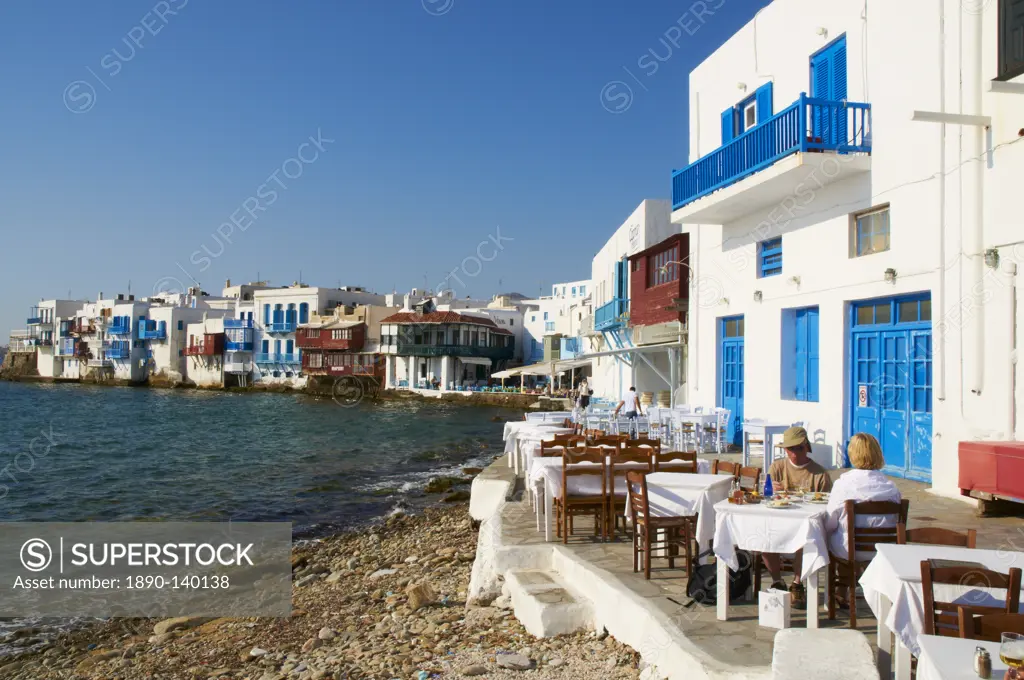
279 312
617 362
559 314
49 328
852 208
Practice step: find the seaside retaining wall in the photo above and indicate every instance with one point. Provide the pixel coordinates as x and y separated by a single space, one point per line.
18 365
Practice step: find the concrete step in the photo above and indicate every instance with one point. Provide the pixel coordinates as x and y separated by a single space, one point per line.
545 605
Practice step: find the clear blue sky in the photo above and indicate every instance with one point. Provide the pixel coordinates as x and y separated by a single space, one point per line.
128 138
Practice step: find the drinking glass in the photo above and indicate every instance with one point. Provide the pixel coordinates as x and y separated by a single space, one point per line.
1011 650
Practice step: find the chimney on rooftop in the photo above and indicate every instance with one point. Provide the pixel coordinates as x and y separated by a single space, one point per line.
227 284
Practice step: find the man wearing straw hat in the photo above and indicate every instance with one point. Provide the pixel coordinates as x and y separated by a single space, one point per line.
795 471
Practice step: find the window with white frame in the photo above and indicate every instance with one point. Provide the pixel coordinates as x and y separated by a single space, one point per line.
869 232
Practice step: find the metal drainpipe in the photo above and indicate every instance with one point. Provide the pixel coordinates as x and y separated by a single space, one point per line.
972 83
1010 270
939 308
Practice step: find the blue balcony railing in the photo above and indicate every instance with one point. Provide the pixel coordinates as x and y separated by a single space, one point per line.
120 329
809 124
237 323
610 315
280 327
278 358
237 345
153 330
34 320
118 352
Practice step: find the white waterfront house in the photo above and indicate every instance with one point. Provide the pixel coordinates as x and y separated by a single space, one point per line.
852 205
49 325
279 311
617 362
557 315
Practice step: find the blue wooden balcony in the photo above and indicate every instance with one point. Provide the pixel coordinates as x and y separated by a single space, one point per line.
808 125
117 352
153 330
237 323
238 335
280 327
36 318
277 358
611 315
120 328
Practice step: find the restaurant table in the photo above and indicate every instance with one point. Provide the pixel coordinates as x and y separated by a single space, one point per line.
548 416
763 430
527 443
679 491
699 421
892 589
948 658
756 527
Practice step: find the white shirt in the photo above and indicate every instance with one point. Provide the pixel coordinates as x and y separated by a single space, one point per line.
858 485
629 402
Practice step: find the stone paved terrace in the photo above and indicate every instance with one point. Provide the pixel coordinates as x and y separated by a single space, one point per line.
740 640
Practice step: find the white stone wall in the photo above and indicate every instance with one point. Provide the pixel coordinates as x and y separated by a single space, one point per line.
940 229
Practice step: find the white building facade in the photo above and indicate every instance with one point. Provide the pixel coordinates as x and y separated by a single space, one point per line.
853 260
558 314
606 330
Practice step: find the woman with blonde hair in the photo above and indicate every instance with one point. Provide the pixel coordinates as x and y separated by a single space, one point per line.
865 482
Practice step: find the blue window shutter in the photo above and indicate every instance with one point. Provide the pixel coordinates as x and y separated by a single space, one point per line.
277 346
800 340
763 96
728 125
266 313
838 60
812 354
163 327
289 347
266 347
821 65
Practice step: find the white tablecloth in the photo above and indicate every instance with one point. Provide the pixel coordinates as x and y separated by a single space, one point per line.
675 494
895 572
763 529
549 416
946 658
520 429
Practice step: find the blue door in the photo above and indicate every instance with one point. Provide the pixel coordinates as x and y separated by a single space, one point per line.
891 383
730 373
828 81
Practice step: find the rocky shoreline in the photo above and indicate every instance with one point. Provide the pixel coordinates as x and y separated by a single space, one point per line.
387 602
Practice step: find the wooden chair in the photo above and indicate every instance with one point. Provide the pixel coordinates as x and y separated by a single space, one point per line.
644 441
845 572
647 530
616 441
590 468
594 434
750 478
938 536
638 459
724 467
988 627
943 618
676 461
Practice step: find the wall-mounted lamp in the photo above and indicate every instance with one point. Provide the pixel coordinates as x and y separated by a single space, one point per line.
992 258
890 275
758 296
795 280
724 301
822 31
741 86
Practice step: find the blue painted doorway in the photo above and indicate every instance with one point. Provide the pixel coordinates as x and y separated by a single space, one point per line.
891 383
730 373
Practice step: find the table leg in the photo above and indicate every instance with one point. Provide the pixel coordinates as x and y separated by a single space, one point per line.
548 511
902 661
884 639
723 590
537 490
812 599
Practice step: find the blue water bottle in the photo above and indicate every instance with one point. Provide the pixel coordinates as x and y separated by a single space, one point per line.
768 491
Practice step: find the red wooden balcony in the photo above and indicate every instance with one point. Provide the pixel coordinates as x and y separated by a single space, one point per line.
338 336
212 344
342 363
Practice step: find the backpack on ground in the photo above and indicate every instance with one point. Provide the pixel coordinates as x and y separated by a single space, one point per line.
703 585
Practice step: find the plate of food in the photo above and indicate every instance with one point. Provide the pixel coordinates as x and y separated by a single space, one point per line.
817 497
780 503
